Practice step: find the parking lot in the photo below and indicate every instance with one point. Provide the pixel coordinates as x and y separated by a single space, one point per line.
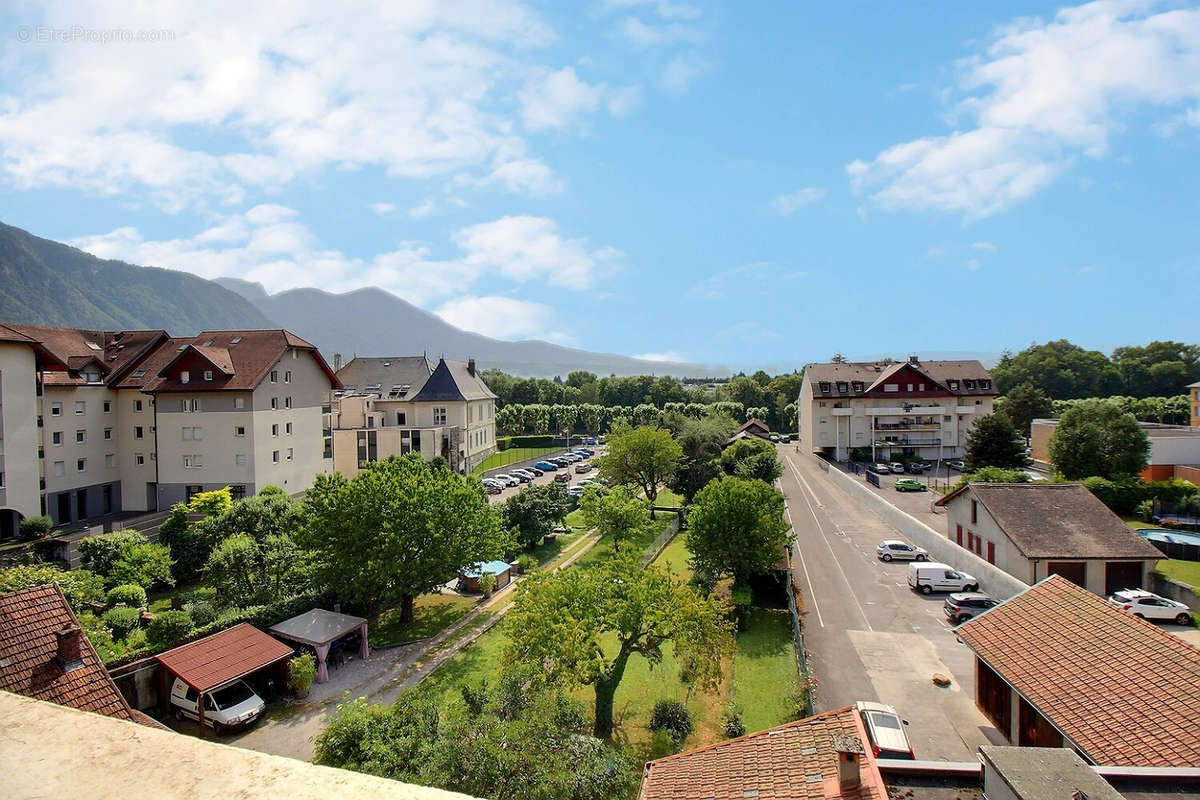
548 477
867 635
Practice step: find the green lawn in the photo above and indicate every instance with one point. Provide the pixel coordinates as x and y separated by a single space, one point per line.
674 557
511 456
432 613
547 551
764 669
1183 571
668 499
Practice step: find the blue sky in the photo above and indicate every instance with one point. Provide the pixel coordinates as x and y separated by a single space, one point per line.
719 182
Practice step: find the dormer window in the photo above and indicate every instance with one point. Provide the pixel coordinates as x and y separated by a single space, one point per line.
91 376
969 383
857 385
208 374
825 386
185 376
953 385
985 383
140 373
235 340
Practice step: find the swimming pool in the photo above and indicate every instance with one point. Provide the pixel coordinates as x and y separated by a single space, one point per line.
1183 545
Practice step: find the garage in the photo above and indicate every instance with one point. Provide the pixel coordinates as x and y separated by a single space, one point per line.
1120 575
1074 571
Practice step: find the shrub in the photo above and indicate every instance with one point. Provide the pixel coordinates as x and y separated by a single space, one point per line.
531 441
202 612
663 744
211 504
169 627
1145 511
487 582
1123 494
732 724
33 528
671 716
301 671
121 620
127 594
79 586
271 489
527 563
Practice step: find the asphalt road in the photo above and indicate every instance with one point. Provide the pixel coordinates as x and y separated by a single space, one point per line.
867 635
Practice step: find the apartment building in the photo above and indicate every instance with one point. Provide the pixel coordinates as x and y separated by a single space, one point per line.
915 408
402 404
1194 403
97 422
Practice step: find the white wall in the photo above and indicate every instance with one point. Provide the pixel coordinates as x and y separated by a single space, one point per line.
18 429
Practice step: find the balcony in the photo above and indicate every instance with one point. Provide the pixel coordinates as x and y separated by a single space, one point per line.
908 441
925 423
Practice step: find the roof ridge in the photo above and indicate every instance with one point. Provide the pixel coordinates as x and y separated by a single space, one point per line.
764 732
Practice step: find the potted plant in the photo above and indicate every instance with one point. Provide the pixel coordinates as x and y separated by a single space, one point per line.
301 671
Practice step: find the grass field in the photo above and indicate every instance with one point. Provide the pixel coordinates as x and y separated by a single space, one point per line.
512 456
432 614
764 669
668 499
1183 571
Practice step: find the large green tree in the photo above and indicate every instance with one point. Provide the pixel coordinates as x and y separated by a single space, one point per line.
245 571
1023 404
644 457
700 440
583 626
616 514
752 458
994 442
1063 370
534 511
397 530
736 527
1098 438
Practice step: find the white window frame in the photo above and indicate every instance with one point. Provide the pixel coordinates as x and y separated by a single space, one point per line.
137 406
274 376
239 402
185 376
139 459
287 429
56 409
208 374
81 464
56 438
287 376
239 431
107 407
274 456
290 454
80 408
275 429
287 401
108 434
444 414
60 469
81 436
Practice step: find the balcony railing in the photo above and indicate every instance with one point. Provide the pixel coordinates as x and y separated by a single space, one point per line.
906 441
907 425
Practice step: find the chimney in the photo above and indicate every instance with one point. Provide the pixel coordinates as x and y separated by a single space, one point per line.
70 648
337 361
850 753
914 360
471 366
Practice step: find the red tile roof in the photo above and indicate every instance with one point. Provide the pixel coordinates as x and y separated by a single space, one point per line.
243 358
1124 691
218 659
796 761
29 620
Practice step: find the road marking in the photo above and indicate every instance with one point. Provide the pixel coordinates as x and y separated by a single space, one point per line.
825 538
812 593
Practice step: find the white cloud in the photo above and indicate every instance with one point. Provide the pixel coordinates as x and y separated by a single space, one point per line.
681 70
663 8
270 245
758 278
503 318
383 209
669 355
423 209
973 264
1040 95
417 90
983 247
788 204
556 99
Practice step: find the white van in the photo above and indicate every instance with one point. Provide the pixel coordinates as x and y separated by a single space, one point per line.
934 577
228 708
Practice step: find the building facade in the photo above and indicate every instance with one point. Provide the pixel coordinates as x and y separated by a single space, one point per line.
1171 447
137 420
1194 403
912 408
404 404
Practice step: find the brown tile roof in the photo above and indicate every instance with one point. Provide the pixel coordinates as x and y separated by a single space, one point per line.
1056 520
247 358
29 620
869 373
72 348
142 373
218 659
796 761
1124 691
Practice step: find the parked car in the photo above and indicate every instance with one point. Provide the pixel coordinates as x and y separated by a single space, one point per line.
547 466
561 461
537 472
936 577
571 458
896 467
582 469
909 485
586 482
236 706
492 488
600 440
896 550
880 468
885 729
575 491
775 437
917 467
1148 605
591 440
787 437
584 452
562 477
507 480
961 606
521 475
956 464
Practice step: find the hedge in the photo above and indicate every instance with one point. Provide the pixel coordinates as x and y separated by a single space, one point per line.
1125 494
533 440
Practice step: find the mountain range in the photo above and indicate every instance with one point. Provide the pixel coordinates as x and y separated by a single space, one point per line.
48 283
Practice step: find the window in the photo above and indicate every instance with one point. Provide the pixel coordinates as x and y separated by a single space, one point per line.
991 552
970 540
948 418
275 430
274 402
910 387
974 511
274 376
81 465
110 460
56 438
275 456
141 373
1 480
193 434
139 459
439 416
287 402
240 459
137 432
891 387
239 402
107 434
80 437
194 461
56 409
208 374
80 407
289 454
958 534
401 418
368 447
239 430
137 405
185 376
287 376
60 468
288 429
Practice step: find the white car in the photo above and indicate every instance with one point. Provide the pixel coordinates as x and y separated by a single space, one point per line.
885 730
896 467
575 491
572 457
235 706
586 482
522 475
507 480
935 577
896 550
1148 605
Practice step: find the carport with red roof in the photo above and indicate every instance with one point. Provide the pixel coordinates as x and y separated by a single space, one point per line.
216 661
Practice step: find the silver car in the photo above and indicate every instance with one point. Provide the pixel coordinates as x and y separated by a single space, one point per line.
886 730
896 550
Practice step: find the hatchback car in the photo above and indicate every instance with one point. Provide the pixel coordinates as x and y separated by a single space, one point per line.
547 466
957 464
885 730
909 485
583 468
575 491
896 550
787 437
591 440
775 437
507 480
235 706
521 475
961 606
917 467
896 467
562 477
880 468
1148 605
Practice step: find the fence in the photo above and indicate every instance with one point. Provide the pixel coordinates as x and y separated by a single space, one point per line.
798 641
661 541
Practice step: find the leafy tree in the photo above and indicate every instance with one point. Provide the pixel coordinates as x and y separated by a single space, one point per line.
744 449
33 528
168 627
233 570
643 457
126 557
762 467
79 586
211 504
617 514
744 390
397 530
534 511
1159 368
583 626
100 553
994 442
736 527
700 441
1061 369
1098 438
1023 404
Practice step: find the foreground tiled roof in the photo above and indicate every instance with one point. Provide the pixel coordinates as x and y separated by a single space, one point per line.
1124 691
29 620
218 659
796 761
1056 520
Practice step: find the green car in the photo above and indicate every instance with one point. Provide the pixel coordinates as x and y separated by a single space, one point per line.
909 485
